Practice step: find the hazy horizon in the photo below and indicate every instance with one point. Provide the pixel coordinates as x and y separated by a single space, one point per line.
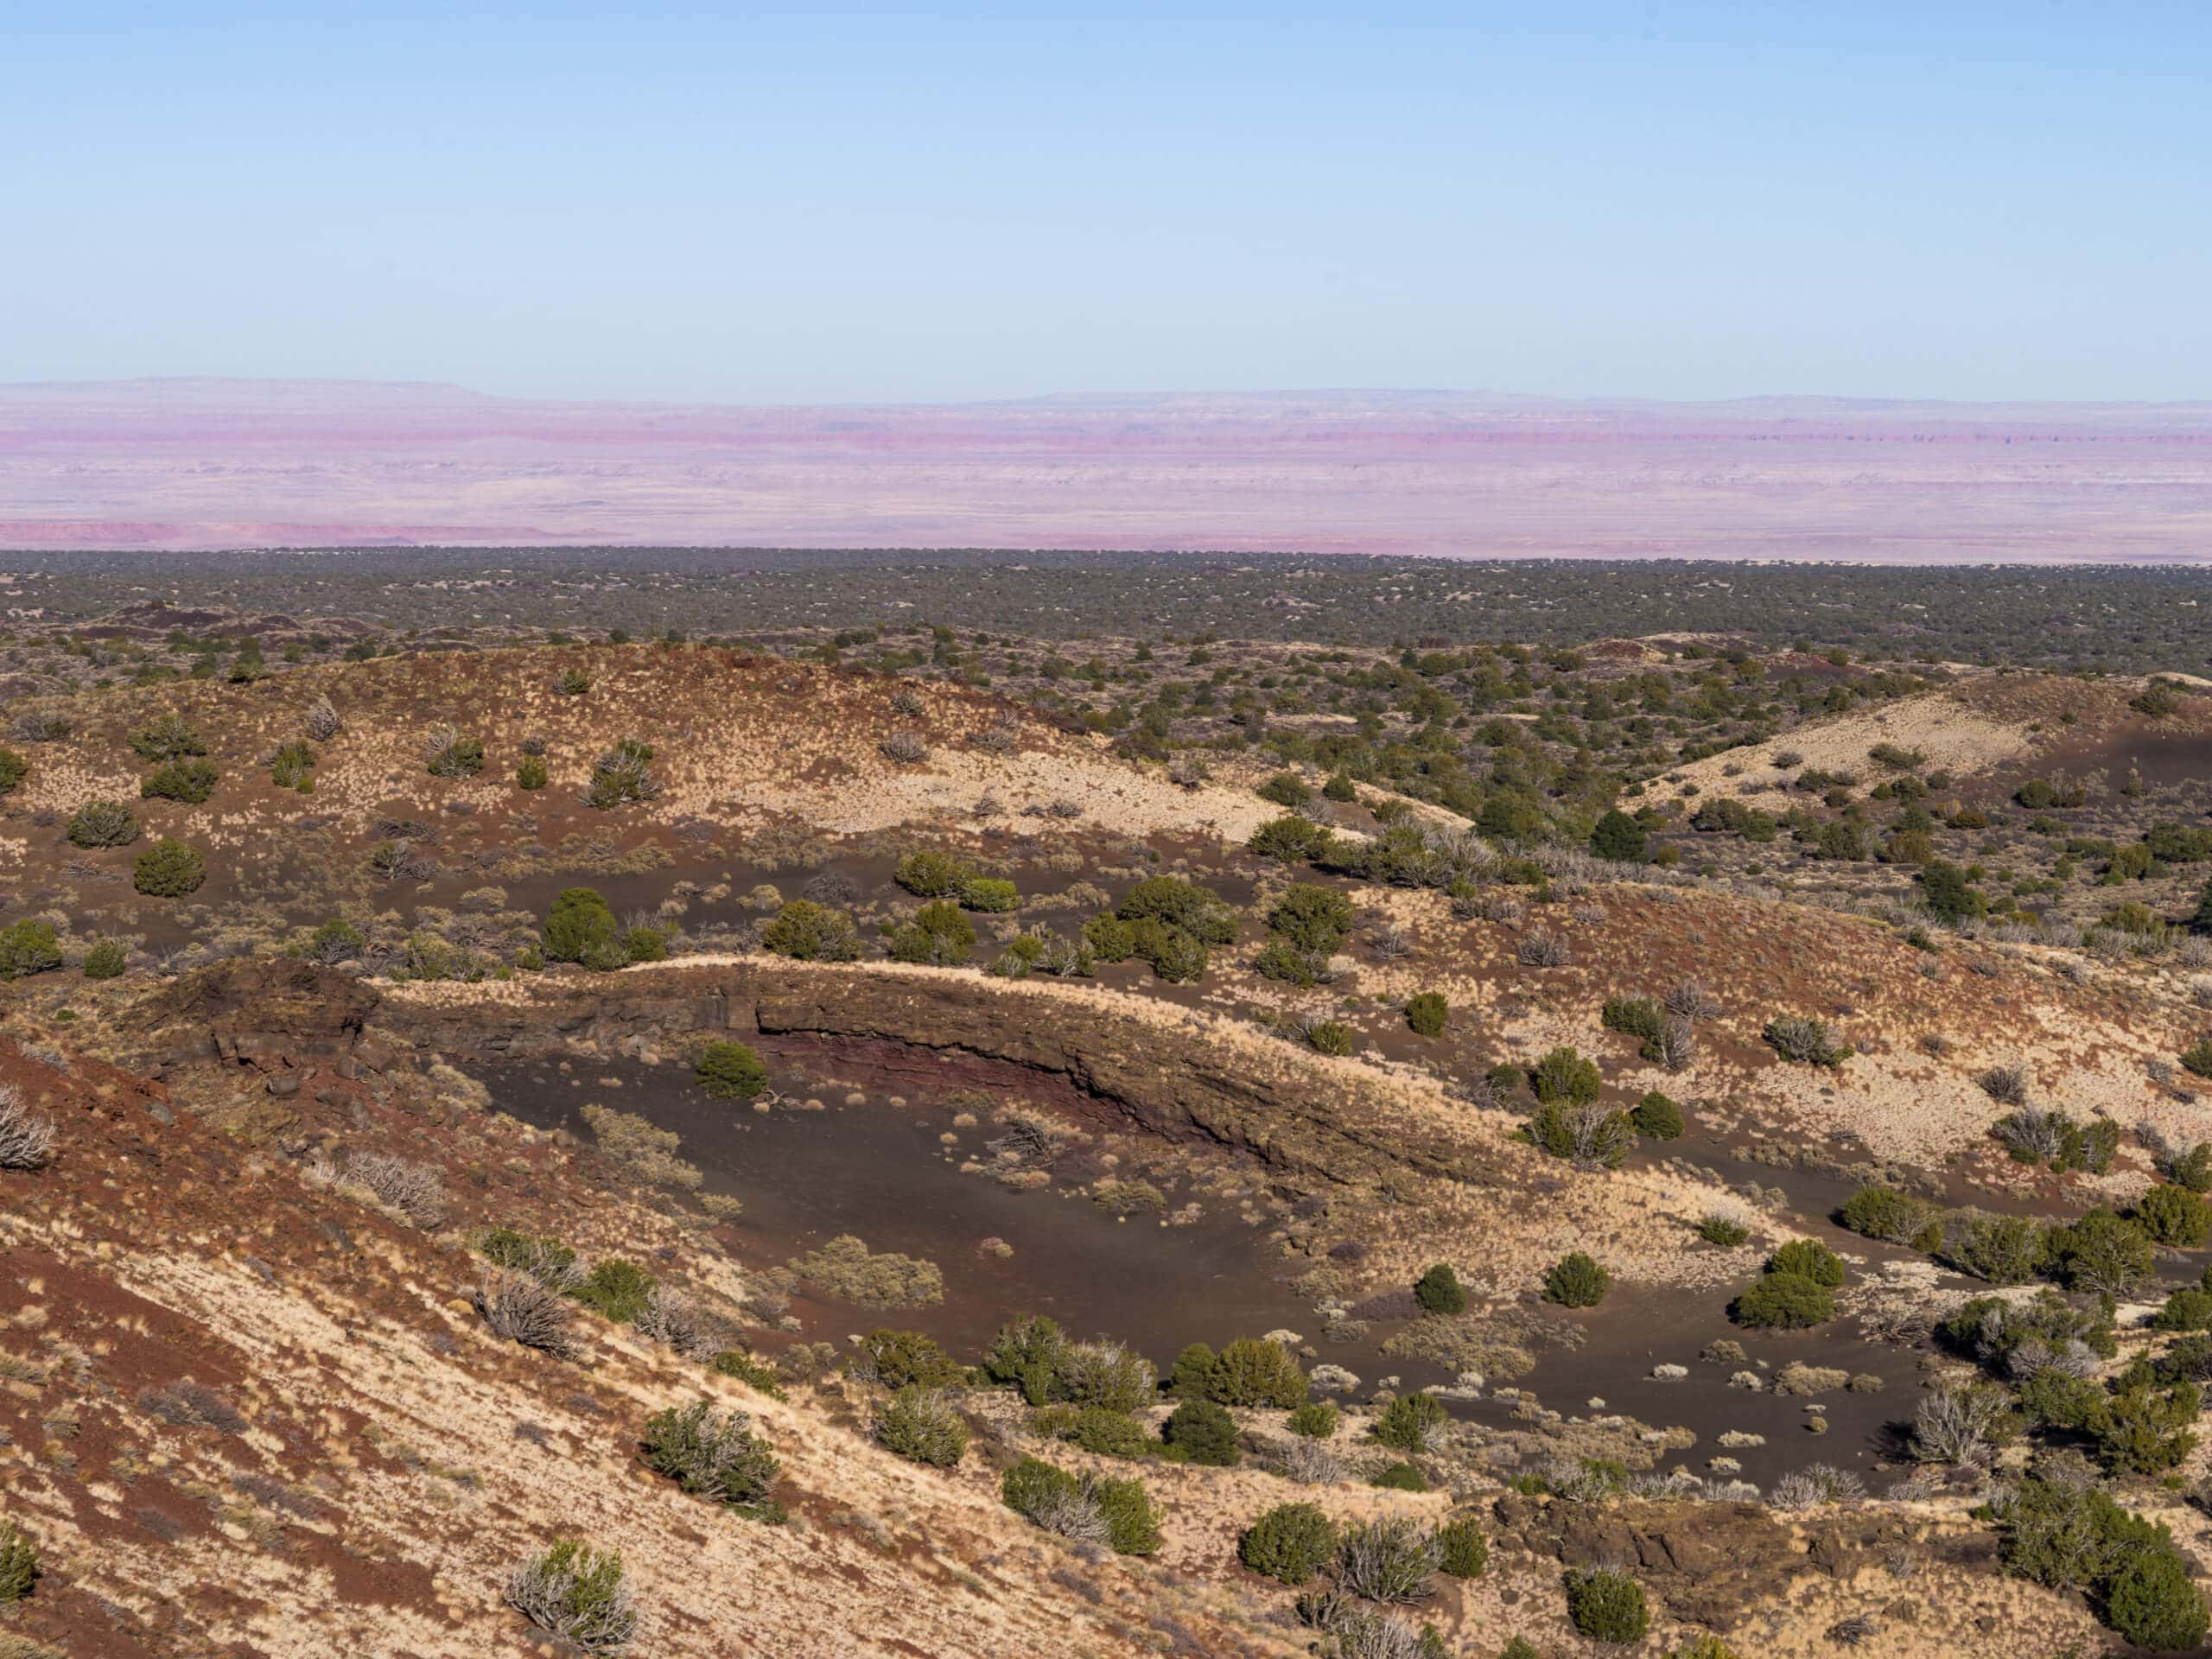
1688 201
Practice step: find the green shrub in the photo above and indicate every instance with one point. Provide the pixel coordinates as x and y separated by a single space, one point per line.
13 770
2102 1255
644 944
2189 1309
1876 1211
456 757
1658 1117
1810 1259
1462 1552
919 1424
1203 1433
1784 1301
1724 1230
762 1379
1291 1542
1110 938
1399 1478
580 928
19 1568
1286 789
902 1359
1104 1374
931 875
730 1070
806 931
167 737
1427 1013
1607 1606
1314 918
191 781
2154 1603
2003 1250
1250 1372
1179 904
617 1288
1315 1420
1584 1136
101 824
1412 1422
1280 959
1027 1353
29 946
1439 1290
2196 1059
713 1453
531 774
1638 1016
1577 1281
291 766
938 937
572 682
2173 1215
1332 1036
2144 1430
1289 840
1132 1519
1031 1485
544 1258
2070 1534
168 869
1108 1433
1565 1078
106 960
1804 1040
991 895
577 1594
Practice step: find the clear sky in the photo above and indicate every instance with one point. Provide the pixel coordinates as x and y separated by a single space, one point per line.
1941 199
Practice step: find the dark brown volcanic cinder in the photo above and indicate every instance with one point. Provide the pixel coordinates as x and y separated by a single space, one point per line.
223 463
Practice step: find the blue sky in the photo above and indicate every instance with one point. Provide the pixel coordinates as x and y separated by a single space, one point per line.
1689 200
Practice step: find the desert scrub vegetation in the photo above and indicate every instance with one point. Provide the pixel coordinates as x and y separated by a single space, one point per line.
167 737
1883 1213
577 1594
189 781
845 1269
168 869
938 936
900 1359
1606 1606
292 766
2071 1537
1119 1513
1414 1423
1202 1431
414 1192
523 1309
13 770
1290 1542
730 1070
19 1568
580 927
1438 1291
26 1137
107 959
1249 1372
447 754
30 946
920 1424
622 776
1803 1040
645 1151
713 1453
615 1289
1783 1301
101 824
1577 1280
1167 923
1036 1357
1427 1013
807 931
2035 1134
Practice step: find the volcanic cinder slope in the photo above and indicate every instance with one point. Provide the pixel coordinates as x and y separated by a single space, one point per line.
219 463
